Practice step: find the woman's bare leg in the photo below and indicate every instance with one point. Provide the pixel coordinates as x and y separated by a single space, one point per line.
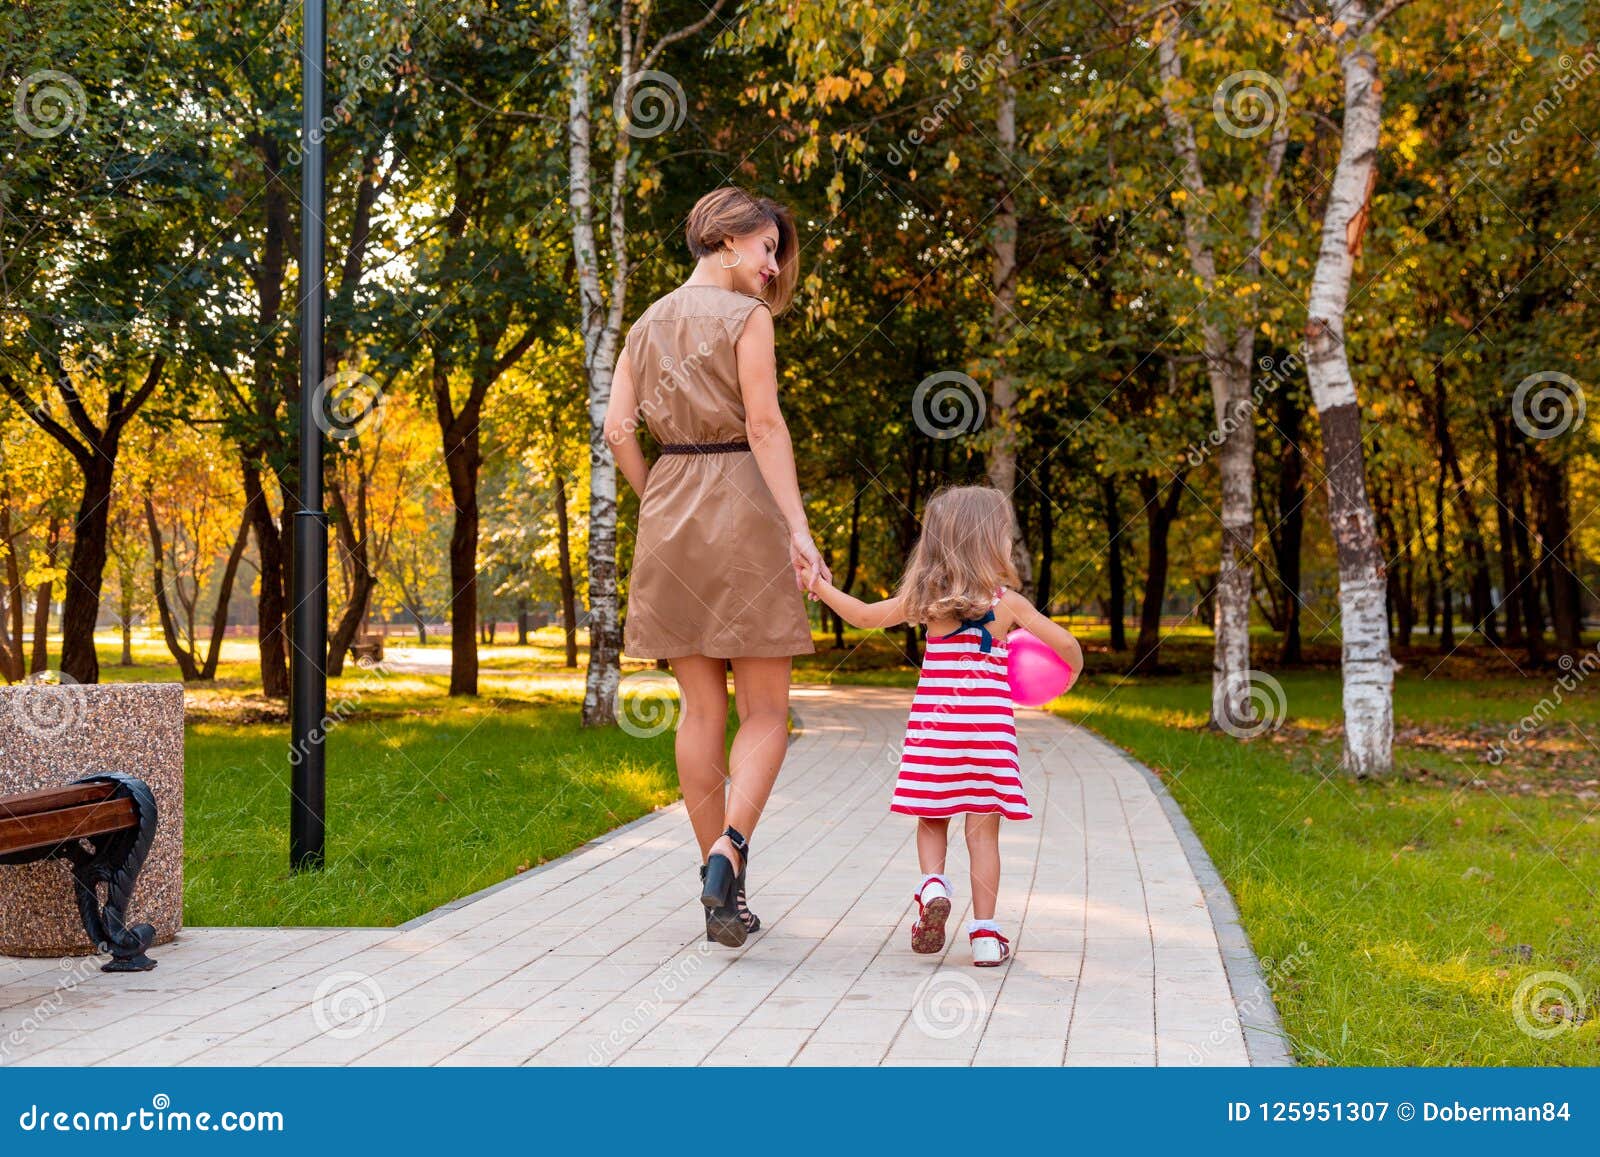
701 744
983 856
762 689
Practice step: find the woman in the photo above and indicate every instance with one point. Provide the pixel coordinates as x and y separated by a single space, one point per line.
723 552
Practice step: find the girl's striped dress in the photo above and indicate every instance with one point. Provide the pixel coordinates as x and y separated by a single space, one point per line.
960 748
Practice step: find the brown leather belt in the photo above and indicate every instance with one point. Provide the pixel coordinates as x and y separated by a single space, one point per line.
702 447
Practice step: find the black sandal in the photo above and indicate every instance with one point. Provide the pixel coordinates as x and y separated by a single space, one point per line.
729 920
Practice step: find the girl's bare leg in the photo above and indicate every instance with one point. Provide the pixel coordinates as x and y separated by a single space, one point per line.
933 838
701 744
983 854
762 688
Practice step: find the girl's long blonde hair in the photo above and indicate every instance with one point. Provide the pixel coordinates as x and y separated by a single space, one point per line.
964 552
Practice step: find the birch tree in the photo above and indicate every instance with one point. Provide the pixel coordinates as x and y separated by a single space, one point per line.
647 103
1367 666
1246 103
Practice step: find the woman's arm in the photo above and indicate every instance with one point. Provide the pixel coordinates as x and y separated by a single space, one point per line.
872 616
769 439
622 417
1046 630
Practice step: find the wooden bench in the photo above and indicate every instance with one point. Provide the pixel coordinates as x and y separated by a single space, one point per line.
367 649
103 824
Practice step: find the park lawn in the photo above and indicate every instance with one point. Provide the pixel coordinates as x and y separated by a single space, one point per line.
429 798
1410 918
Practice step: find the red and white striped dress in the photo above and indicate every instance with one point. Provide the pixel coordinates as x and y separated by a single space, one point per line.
960 748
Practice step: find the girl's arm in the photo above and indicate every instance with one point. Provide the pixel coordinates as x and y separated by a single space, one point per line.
872 616
622 420
757 360
1046 630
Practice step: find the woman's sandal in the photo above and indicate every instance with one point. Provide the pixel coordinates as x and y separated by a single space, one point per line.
752 922
729 920
927 934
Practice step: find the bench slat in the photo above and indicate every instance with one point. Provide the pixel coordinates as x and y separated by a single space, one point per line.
21 833
46 799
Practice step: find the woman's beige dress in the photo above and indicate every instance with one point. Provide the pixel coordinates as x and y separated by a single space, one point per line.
711 572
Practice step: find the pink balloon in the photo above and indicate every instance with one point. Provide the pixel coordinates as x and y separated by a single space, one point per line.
1036 673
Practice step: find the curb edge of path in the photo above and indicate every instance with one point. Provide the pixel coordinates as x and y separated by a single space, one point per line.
1264 1035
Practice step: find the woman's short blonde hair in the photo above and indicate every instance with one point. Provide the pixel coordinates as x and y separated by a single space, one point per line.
732 212
962 555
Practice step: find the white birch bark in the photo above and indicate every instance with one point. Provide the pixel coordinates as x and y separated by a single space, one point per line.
1368 667
1001 459
601 321
1229 356
599 341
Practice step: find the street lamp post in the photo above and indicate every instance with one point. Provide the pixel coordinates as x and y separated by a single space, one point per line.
309 655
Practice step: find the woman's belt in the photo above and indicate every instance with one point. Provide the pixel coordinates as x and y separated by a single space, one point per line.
703 447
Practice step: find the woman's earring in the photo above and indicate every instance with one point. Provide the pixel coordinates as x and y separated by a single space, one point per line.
737 257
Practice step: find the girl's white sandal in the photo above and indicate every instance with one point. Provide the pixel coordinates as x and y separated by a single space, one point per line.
933 909
989 948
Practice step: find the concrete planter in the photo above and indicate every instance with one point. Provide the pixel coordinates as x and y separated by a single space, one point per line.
51 735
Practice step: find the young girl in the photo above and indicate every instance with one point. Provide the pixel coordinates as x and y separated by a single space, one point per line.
960 750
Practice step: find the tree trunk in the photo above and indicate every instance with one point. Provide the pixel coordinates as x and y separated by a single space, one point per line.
41 602
1291 519
1229 355
1159 516
1117 593
461 457
158 566
271 603
1555 533
1368 667
219 617
1001 458
355 556
1503 475
16 595
852 560
569 610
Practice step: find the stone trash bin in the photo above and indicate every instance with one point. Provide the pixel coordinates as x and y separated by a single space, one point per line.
51 735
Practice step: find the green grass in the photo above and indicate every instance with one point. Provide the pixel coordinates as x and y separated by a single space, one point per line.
429 798
1402 915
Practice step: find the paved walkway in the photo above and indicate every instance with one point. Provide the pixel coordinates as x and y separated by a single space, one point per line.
1127 947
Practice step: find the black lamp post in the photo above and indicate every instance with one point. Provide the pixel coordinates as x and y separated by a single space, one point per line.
309 658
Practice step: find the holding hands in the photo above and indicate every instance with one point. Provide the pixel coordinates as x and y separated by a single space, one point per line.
807 561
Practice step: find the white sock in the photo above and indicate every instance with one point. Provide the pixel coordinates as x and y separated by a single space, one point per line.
986 925
943 883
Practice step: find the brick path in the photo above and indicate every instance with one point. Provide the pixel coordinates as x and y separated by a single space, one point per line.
1128 951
